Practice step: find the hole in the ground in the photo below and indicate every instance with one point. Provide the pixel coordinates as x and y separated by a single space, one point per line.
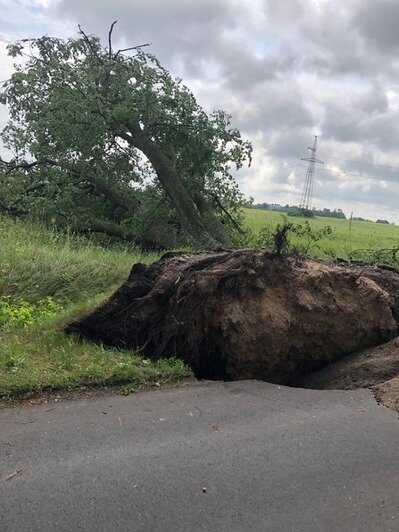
243 314
212 365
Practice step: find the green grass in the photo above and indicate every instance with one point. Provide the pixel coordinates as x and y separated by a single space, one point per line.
46 279
356 243
43 358
37 262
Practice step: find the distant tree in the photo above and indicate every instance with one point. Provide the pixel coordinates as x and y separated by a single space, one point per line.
306 213
294 210
108 140
249 202
382 222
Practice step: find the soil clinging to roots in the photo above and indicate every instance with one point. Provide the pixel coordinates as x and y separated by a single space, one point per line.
248 314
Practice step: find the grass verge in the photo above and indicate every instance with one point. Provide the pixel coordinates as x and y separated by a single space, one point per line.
46 280
41 358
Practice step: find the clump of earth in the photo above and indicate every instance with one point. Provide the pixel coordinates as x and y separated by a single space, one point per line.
376 368
250 314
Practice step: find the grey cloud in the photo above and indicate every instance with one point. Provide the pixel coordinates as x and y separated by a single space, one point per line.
180 31
242 70
352 121
277 10
285 70
374 100
341 37
378 23
290 144
274 107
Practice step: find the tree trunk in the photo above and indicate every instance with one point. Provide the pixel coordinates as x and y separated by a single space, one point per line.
212 223
173 186
7 210
114 230
125 203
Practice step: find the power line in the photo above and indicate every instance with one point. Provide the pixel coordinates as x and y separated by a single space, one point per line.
347 173
361 162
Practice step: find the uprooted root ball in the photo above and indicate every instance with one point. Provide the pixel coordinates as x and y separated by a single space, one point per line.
248 314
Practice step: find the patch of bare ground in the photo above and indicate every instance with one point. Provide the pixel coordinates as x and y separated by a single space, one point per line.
376 368
388 393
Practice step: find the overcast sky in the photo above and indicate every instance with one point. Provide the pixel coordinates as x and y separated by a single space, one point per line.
285 70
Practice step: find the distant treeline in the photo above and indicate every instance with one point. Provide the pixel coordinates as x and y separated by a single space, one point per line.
295 210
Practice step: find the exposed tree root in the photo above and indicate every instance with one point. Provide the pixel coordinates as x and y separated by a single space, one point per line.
248 314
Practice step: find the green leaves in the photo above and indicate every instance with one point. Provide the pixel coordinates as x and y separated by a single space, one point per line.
73 102
20 313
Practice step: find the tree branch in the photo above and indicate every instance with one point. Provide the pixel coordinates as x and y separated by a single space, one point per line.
87 40
239 229
138 47
10 211
105 228
11 166
113 230
32 188
110 39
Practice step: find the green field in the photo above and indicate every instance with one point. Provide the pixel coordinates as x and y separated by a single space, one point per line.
47 278
345 241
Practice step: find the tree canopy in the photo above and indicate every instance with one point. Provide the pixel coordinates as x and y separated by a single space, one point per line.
107 140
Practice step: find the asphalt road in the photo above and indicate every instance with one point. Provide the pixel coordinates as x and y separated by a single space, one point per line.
238 456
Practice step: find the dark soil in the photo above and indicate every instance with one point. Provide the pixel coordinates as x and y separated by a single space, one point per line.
363 369
248 314
376 368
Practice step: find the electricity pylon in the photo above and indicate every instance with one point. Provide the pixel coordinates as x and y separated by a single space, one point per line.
307 194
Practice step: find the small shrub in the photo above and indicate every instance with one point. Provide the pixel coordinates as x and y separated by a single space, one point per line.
279 238
265 237
389 257
17 313
309 236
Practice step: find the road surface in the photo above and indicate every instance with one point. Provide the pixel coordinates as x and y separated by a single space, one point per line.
219 456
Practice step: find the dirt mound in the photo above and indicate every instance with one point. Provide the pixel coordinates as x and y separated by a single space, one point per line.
376 368
247 314
363 369
388 393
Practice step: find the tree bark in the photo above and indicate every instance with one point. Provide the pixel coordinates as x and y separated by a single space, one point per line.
212 223
114 230
173 186
126 203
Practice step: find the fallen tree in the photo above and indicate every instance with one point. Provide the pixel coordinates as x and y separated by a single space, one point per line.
108 134
248 314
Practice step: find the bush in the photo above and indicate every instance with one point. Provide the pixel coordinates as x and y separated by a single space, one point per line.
278 238
22 313
309 236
